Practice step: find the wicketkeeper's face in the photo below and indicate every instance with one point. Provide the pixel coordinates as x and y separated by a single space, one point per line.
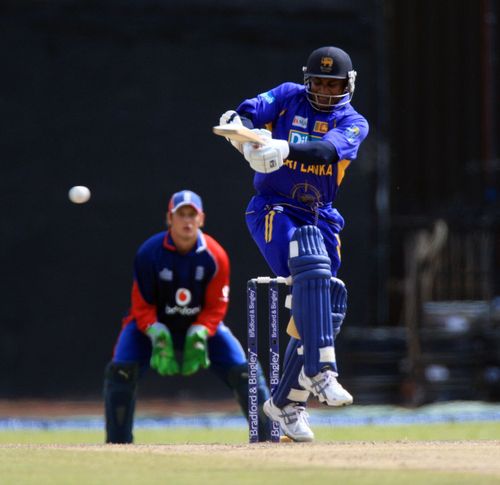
185 222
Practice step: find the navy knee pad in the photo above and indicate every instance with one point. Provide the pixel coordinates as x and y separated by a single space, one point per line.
120 384
339 304
237 379
310 268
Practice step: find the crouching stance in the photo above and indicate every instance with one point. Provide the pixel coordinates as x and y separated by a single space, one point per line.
175 325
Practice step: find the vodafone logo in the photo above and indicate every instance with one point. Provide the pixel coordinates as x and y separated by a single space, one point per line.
183 297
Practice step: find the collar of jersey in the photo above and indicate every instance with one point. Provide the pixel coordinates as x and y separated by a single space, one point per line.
201 243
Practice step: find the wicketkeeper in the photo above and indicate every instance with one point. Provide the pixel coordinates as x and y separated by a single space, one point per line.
180 296
313 133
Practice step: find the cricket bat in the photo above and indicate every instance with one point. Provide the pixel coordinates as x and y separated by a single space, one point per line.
238 133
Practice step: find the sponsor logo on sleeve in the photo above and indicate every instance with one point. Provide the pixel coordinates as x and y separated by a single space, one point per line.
352 133
268 97
225 293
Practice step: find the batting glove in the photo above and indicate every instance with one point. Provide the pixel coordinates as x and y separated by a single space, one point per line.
195 350
163 355
267 158
228 118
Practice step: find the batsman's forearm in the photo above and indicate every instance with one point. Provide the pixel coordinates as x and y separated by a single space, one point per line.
308 153
313 152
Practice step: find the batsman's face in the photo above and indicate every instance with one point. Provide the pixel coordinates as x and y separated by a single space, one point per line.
324 87
184 224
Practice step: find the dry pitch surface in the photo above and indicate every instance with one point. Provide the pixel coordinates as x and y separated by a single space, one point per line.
481 457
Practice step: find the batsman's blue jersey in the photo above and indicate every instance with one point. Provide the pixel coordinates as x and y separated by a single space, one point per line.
302 191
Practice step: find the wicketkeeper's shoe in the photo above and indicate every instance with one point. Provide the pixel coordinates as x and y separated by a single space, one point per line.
292 419
326 388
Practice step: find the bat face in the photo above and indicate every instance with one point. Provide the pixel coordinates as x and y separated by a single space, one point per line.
240 134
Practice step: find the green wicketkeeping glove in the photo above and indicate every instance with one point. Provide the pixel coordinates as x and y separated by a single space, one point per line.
195 350
163 355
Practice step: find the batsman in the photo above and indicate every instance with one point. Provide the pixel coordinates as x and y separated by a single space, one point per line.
179 299
312 134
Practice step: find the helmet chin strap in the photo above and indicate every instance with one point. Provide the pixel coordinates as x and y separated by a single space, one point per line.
334 101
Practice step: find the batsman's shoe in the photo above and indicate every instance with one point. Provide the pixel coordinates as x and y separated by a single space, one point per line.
292 419
326 388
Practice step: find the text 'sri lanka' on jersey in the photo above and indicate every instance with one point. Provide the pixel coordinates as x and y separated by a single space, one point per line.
287 113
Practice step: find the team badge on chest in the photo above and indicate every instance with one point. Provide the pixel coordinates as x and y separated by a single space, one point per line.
166 274
321 127
199 273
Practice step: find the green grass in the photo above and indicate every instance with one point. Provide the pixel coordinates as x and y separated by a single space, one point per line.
30 464
67 467
429 432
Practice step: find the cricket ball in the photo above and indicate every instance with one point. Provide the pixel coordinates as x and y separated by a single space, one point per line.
79 194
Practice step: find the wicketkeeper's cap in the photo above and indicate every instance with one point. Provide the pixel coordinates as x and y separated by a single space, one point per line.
185 197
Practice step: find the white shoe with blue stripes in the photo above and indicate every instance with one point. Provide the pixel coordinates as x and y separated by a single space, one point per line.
326 388
292 419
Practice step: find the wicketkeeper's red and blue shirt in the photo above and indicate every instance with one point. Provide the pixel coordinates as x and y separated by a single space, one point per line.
179 290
